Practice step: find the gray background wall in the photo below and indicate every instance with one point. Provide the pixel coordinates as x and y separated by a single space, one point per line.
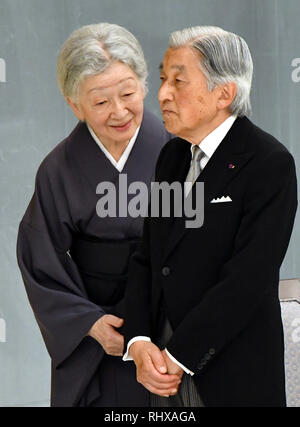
34 118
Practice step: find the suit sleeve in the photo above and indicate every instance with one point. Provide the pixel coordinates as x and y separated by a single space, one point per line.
53 284
135 308
252 270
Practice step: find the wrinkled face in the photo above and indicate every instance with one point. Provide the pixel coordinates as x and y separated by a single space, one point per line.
111 103
186 103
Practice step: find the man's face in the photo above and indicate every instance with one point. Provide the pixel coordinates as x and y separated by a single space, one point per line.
189 109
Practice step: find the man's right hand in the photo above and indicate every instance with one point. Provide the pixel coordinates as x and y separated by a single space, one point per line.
104 332
151 369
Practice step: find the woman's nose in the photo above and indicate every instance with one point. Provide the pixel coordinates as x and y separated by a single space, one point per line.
119 109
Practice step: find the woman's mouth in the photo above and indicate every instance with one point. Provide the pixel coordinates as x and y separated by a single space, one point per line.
122 127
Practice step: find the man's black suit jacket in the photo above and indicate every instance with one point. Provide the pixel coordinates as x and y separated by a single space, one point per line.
219 283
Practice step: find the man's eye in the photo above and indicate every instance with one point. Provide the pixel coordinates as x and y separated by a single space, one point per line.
128 94
101 103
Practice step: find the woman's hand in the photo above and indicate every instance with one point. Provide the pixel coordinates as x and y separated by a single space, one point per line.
104 332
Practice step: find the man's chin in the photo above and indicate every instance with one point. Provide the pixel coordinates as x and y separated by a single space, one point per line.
176 130
170 127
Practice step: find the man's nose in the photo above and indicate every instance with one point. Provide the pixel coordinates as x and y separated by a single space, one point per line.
165 93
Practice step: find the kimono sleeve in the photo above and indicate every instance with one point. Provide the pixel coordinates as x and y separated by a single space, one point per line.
52 281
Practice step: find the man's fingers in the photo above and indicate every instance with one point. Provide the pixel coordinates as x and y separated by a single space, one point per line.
158 360
161 392
157 376
163 387
162 382
150 362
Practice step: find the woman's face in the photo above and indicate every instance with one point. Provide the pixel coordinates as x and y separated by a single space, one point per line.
112 103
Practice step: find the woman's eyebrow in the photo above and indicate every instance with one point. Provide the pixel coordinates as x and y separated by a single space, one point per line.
105 87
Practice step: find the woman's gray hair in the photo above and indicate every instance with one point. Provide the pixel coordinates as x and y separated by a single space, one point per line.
224 57
91 49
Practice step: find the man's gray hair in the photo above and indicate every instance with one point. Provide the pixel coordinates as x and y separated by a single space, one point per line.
92 49
224 57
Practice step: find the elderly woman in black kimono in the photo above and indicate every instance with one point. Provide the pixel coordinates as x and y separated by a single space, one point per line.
74 262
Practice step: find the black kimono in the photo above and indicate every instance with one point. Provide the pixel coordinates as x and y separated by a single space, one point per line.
65 251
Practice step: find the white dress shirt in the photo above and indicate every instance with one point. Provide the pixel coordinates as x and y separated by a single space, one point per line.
123 159
208 145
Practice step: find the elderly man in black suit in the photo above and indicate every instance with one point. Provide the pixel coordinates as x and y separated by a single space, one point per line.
203 321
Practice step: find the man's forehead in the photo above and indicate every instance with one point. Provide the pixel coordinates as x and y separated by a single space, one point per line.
179 59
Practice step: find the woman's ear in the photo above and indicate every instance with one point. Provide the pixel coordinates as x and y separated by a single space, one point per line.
227 94
76 108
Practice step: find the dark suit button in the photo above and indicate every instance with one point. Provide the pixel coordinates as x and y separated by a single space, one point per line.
202 364
166 271
212 351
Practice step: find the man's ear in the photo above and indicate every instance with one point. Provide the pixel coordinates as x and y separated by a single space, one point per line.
76 108
226 95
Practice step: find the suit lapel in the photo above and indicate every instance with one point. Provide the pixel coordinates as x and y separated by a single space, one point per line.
226 163
174 170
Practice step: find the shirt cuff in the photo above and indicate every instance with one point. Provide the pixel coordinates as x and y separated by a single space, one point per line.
127 356
186 370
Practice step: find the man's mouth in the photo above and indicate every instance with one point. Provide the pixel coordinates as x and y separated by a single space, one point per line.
168 111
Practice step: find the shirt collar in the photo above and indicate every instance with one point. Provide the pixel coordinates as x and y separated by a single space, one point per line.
211 142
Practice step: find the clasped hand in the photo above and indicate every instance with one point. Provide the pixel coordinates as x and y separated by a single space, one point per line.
155 370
